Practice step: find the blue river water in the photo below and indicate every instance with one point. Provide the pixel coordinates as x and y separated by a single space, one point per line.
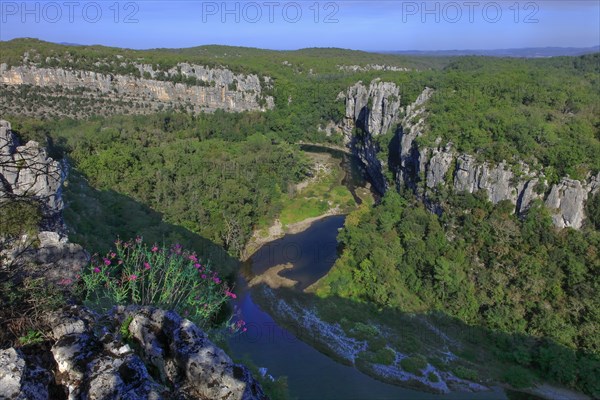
310 373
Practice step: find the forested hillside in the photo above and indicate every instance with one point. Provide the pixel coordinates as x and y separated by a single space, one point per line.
221 175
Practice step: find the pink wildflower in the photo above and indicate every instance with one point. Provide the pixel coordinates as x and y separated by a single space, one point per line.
193 258
217 280
120 262
203 276
154 248
146 265
106 261
113 255
96 270
132 277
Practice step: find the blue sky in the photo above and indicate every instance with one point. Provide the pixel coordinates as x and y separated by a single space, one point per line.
365 25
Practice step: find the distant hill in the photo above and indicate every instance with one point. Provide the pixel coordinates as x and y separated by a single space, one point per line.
532 52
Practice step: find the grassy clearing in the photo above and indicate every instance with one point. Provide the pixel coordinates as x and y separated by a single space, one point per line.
322 193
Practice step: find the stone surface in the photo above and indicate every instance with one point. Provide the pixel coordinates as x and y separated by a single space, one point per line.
567 200
26 172
426 169
170 358
375 110
20 381
186 358
220 88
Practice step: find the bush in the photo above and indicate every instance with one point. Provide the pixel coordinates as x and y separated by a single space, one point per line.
364 332
465 373
432 377
414 365
518 377
19 217
169 278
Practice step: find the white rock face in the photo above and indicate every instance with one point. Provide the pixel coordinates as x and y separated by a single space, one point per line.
19 381
567 200
28 171
221 88
92 361
376 110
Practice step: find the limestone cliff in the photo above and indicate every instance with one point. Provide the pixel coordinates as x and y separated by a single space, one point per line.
192 87
89 358
374 111
27 173
426 169
167 357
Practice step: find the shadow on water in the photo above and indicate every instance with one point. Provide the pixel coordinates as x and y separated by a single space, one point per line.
285 351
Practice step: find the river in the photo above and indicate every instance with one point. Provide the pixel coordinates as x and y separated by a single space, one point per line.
310 373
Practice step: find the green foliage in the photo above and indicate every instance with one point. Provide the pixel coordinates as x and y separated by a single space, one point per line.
19 217
212 187
362 331
24 308
413 365
32 337
383 356
124 328
168 278
483 265
433 377
465 373
593 210
532 110
518 377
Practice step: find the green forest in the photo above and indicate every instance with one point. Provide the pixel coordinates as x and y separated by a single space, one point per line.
210 180
217 186
541 111
481 264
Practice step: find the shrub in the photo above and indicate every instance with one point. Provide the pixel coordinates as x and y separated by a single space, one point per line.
518 377
413 365
465 373
169 278
19 217
432 377
363 331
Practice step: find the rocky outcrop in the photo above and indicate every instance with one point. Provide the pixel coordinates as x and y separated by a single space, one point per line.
28 174
376 110
26 171
372 67
167 357
425 169
567 199
190 86
21 381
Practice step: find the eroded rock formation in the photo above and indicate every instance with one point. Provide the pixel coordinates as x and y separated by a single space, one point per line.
376 109
200 89
28 174
166 357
